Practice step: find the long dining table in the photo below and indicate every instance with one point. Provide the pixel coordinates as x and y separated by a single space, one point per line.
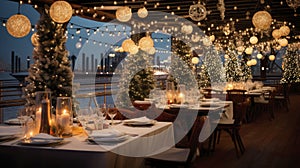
76 151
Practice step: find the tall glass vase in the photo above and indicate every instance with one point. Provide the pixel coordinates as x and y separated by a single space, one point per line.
64 116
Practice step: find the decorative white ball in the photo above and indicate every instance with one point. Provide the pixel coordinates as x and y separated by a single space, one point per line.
124 14
249 50
18 25
127 44
253 40
195 60
283 42
259 56
61 11
133 49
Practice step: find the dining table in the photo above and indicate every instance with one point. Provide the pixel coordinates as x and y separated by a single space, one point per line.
77 151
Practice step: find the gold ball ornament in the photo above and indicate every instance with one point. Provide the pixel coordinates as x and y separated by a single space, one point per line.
249 63
18 25
34 39
253 40
146 42
195 60
61 11
272 57
284 30
124 14
133 49
253 61
262 20
212 38
240 48
259 56
142 12
226 56
206 41
249 50
276 33
126 45
151 50
283 42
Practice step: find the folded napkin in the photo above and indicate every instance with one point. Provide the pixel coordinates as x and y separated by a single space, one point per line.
140 120
44 136
106 133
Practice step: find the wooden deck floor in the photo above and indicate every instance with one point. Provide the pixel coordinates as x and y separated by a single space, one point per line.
269 144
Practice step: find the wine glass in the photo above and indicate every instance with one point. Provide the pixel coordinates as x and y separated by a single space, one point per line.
111 111
101 115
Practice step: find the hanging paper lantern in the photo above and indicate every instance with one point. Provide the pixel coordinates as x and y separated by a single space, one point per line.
61 11
124 14
133 49
253 40
276 33
142 12
272 57
283 42
284 30
249 50
195 60
259 56
146 42
262 20
127 44
18 25
34 39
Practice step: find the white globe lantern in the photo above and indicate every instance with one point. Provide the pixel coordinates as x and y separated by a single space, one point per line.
212 38
240 49
145 43
262 20
253 40
249 50
18 25
283 42
272 57
195 60
124 14
127 44
284 30
259 56
276 33
142 12
61 11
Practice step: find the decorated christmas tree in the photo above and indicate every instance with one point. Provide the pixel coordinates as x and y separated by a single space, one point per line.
232 67
245 69
214 65
204 79
291 70
136 80
51 69
181 64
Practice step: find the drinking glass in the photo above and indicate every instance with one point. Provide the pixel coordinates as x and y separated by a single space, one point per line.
111 111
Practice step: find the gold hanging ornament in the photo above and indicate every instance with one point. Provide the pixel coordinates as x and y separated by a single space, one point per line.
142 12
61 11
126 45
284 30
145 43
262 20
195 60
276 33
197 12
18 25
272 57
253 40
124 14
34 39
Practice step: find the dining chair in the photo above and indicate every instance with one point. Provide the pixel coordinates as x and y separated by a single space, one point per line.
265 103
183 153
233 126
281 96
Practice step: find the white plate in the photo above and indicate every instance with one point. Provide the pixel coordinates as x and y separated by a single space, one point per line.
39 142
13 121
135 123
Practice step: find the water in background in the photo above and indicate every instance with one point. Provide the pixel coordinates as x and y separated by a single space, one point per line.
12 112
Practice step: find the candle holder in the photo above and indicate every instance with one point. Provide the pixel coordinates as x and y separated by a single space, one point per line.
43 111
64 116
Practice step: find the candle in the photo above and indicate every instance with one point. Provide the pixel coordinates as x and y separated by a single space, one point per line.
38 115
65 118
